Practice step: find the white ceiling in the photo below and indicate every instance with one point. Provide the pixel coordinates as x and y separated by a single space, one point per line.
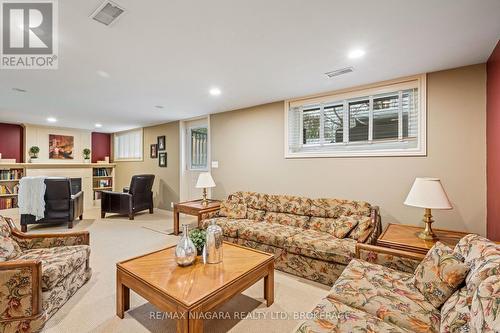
172 52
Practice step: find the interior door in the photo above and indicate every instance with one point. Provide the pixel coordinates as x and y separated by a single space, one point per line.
196 155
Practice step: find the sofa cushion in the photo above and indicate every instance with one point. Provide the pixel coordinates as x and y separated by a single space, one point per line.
255 214
288 204
362 228
439 274
268 233
229 226
338 227
9 249
388 294
336 207
233 208
321 245
485 309
331 315
57 262
253 200
293 220
455 313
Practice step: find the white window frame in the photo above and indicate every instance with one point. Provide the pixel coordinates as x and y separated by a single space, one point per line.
189 164
364 92
118 159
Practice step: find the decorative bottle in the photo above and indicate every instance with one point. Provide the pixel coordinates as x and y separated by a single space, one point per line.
185 252
213 244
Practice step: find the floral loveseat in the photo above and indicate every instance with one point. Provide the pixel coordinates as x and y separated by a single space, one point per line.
311 238
38 274
379 294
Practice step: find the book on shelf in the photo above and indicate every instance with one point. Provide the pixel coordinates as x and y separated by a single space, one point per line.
4 189
13 174
101 172
7 203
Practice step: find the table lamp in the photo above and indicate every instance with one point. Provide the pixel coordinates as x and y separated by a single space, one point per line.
205 180
428 193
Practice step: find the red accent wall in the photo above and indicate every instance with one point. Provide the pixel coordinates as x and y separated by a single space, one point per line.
493 143
11 141
101 146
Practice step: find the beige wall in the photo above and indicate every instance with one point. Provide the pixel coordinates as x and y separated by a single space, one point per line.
166 185
249 144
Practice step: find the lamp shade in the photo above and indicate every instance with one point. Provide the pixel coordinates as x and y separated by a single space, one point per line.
205 180
428 193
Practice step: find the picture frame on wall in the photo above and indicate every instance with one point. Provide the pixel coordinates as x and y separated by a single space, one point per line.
162 160
162 144
153 150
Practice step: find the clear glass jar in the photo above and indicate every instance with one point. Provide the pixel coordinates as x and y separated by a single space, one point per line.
185 252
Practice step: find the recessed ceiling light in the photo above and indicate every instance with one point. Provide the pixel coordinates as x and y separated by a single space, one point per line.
215 92
355 54
159 106
51 119
98 125
19 90
103 74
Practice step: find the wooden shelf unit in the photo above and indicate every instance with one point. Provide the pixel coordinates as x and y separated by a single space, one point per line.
103 179
9 182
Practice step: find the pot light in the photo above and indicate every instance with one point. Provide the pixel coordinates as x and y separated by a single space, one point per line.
355 54
19 90
51 119
215 92
159 106
98 125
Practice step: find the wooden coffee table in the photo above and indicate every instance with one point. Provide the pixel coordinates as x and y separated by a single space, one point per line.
187 292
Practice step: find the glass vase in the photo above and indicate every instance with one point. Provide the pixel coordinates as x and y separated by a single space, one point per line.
185 252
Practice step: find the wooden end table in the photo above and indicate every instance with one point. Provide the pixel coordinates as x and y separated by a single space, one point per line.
185 293
194 208
404 237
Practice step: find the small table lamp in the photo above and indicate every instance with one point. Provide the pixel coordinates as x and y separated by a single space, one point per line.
205 180
428 193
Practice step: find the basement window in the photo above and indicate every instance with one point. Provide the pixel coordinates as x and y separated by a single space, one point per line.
128 145
380 120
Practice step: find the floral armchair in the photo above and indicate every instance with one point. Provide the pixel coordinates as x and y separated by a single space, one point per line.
38 274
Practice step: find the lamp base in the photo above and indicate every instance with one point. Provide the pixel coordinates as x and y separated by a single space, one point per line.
204 201
427 233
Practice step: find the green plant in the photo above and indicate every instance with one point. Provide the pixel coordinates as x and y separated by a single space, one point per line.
86 153
198 237
34 151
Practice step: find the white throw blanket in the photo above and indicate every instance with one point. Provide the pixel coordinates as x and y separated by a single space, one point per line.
31 196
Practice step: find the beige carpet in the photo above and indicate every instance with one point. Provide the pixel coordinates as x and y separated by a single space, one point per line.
92 308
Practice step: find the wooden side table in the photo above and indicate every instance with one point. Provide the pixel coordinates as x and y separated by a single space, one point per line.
404 237
194 208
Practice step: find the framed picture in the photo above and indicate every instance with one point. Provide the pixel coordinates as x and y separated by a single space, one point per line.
153 150
161 143
61 147
162 160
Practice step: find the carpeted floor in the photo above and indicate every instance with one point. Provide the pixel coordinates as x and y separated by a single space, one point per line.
92 308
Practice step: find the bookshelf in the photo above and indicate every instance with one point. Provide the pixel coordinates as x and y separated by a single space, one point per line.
102 179
9 186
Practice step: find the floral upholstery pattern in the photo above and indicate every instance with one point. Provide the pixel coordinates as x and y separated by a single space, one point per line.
48 242
338 227
253 200
293 220
288 204
401 264
57 262
331 315
15 288
338 207
32 325
233 207
455 313
485 309
229 226
9 249
268 233
364 225
320 245
439 274
387 294
255 214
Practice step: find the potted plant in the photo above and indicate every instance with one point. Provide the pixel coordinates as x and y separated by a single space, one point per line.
86 155
34 153
198 237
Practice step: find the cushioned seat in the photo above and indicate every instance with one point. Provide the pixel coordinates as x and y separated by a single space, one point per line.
268 233
388 294
57 262
333 316
321 245
229 226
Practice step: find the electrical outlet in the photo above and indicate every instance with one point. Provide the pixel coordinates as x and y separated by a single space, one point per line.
171 205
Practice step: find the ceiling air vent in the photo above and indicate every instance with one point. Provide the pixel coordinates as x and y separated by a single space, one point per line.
338 72
107 13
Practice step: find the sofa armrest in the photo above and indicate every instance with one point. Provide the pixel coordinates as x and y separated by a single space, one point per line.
20 289
396 259
371 235
77 205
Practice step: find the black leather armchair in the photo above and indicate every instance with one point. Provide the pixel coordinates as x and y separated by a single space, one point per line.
137 197
60 205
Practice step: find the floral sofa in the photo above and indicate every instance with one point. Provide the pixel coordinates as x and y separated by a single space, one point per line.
378 293
38 274
311 238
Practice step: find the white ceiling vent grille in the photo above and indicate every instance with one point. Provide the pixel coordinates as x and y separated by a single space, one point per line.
107 13
338 72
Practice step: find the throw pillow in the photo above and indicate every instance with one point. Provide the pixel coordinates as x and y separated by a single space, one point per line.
9 249
440 274
233 208
343 225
